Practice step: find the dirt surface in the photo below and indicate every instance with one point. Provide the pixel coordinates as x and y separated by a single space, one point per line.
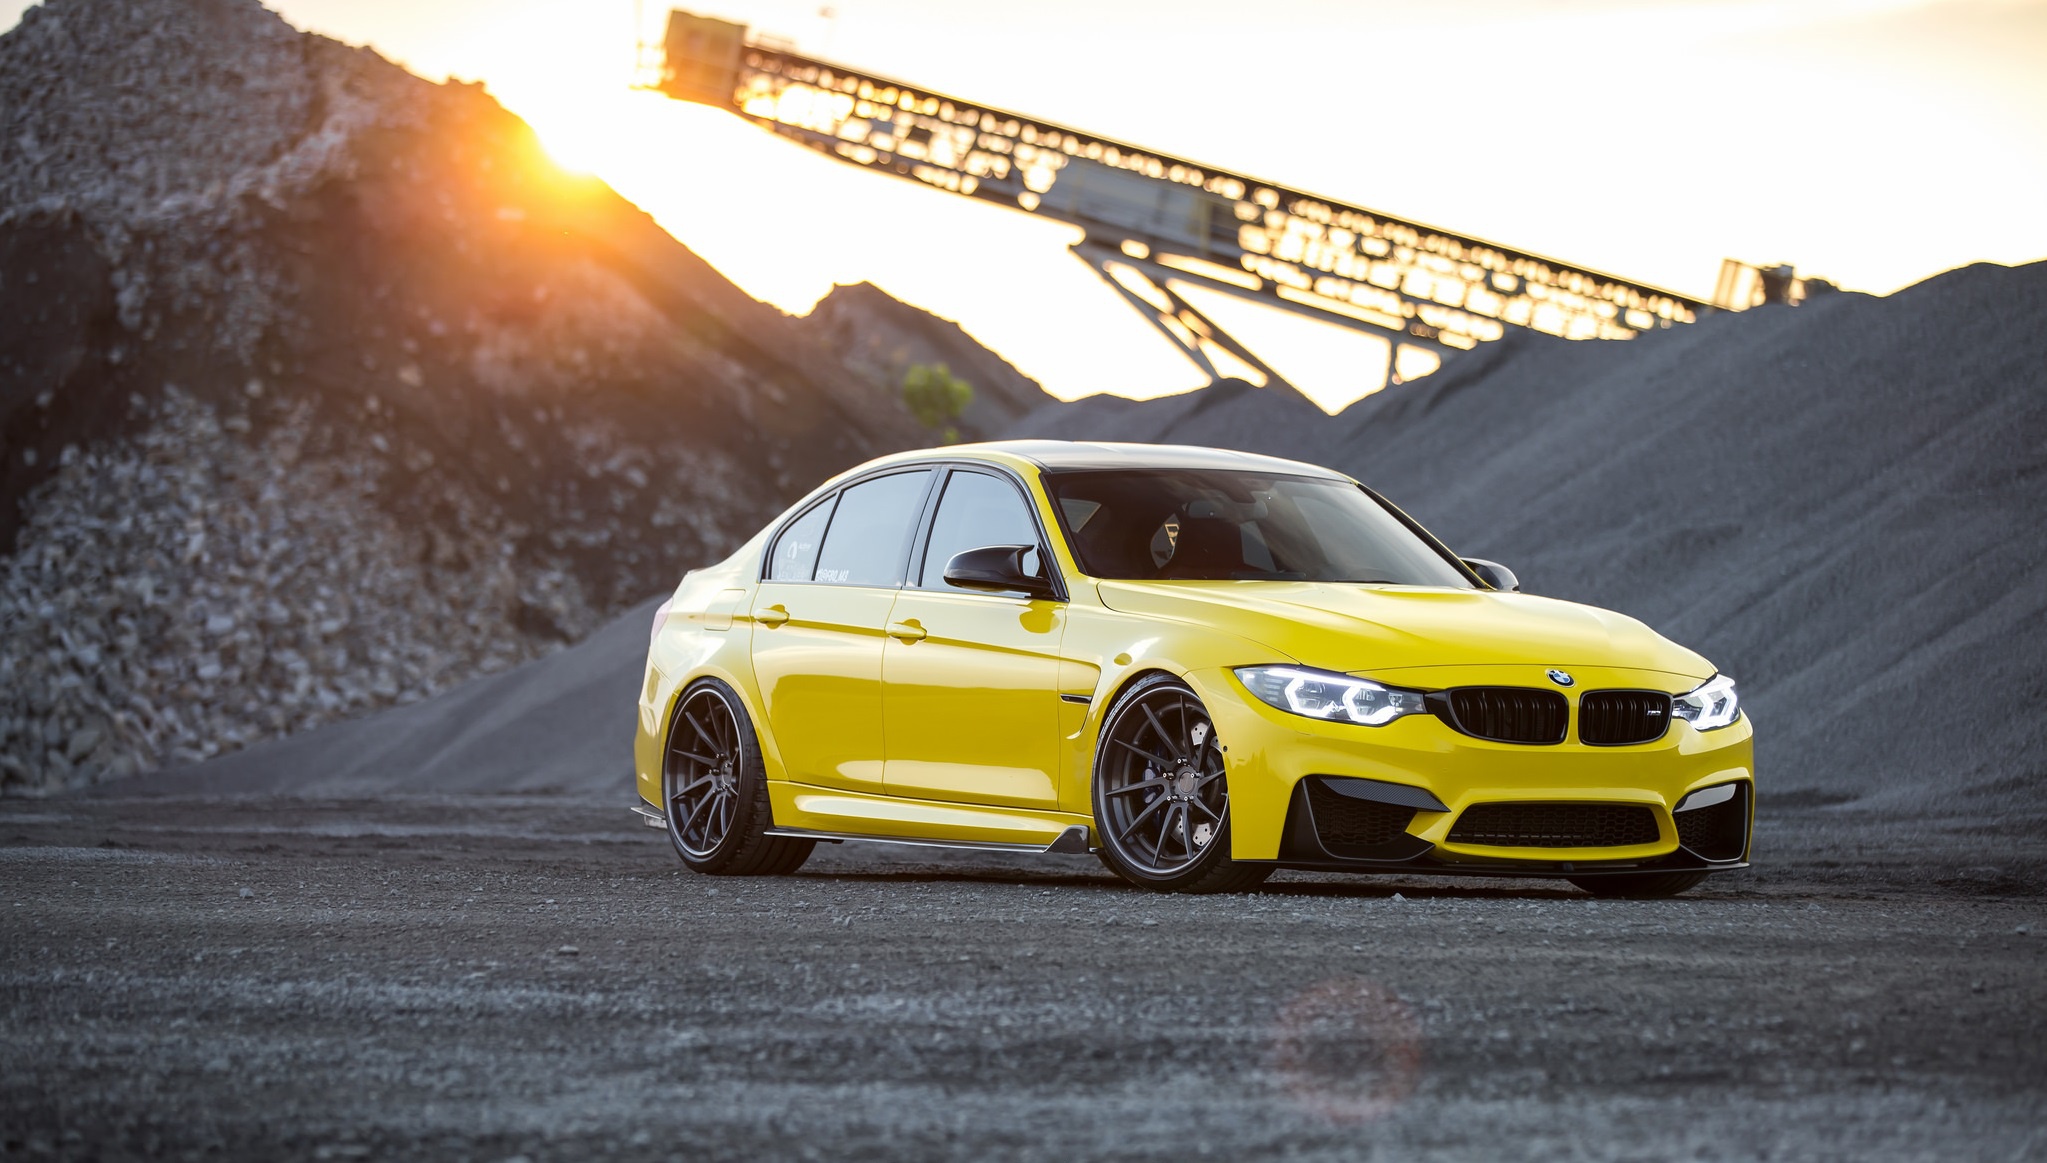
494 977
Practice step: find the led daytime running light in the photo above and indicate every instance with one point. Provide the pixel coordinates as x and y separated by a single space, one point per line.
1321 694
1709 706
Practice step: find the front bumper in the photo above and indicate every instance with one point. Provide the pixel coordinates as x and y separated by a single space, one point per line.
1270 753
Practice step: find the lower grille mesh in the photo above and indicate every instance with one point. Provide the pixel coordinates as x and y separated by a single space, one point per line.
1507 714
1345 825
1555 825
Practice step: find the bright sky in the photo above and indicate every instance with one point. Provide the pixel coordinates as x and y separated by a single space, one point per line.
1872 142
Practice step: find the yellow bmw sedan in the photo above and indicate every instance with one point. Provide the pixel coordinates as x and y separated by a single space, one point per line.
1201 665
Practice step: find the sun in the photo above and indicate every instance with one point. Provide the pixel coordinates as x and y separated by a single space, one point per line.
576 129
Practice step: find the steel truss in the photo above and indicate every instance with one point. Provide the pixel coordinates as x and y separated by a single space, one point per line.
1152 221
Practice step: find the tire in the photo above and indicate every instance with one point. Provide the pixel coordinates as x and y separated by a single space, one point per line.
1638 885
1159 788
714 789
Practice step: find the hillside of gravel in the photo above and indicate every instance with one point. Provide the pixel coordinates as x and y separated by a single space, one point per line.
563 722
325 390
884 337
1843 504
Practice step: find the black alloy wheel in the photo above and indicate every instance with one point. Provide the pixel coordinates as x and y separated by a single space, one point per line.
714 789
1161 797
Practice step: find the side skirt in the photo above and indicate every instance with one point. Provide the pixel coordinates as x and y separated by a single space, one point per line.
831 812
1073 841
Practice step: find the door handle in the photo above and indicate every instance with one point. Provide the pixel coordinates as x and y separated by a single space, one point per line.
906 631
771 617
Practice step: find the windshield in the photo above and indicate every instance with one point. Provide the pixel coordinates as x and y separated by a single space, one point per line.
1207 525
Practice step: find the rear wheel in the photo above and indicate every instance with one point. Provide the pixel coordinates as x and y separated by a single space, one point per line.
1161 798
715 789
1638 885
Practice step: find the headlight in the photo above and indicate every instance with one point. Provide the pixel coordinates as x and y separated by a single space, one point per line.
1710 706
1320 694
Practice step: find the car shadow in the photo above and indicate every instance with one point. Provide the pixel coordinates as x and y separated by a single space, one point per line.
1360 888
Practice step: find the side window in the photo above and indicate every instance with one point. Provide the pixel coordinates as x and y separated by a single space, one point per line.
977 510
795 554
870 532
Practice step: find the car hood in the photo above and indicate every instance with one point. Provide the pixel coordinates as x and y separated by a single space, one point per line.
1369 629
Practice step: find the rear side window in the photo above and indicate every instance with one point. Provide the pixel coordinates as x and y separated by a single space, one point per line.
870 532
795 555
977 510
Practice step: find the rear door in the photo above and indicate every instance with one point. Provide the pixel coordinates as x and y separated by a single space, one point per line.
833 574
970 691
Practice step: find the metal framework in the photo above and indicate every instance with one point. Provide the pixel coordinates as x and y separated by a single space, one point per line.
1153 221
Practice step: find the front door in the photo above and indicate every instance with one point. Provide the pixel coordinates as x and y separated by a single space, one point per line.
970 691
818 619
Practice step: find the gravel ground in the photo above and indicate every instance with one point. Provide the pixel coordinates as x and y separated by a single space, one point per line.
533 976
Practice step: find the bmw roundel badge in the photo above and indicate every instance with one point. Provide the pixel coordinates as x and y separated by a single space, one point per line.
1561 677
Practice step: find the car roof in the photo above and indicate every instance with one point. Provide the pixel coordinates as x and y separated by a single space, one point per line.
1065 455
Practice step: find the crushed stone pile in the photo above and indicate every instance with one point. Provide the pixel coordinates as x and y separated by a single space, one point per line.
1843 504
559 723
260 591
152 123
884 337
300 340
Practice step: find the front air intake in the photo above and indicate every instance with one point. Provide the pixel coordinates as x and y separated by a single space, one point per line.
1353 827
1622 718
1512 825
1504 714
1717 832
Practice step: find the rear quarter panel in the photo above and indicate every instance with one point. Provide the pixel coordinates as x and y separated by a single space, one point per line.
702 630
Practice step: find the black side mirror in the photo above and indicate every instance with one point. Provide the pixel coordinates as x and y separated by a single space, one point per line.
1494 574
999 568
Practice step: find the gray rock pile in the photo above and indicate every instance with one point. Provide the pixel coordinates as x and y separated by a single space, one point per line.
883 338
189 591
152 123
439 407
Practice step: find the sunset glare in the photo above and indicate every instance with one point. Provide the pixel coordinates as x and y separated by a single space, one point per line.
1871 142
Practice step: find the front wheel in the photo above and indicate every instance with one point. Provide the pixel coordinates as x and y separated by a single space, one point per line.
1638 885
1161 798
715 789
